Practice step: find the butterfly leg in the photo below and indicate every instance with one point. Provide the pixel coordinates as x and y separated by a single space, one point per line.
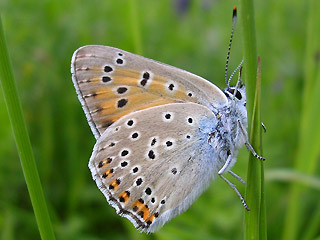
250 148
237 177
248 145
264 127
237 192
222 170
226 165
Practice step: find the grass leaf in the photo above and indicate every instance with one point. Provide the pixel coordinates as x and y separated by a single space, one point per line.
255 222
308 151
23 142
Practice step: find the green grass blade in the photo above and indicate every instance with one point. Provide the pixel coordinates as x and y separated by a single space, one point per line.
23 142
313 228
249 52
263 213
135 27
307 160
255 183
308 151
295 177
312 43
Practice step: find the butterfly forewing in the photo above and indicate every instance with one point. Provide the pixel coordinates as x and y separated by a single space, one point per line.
152 164
112 83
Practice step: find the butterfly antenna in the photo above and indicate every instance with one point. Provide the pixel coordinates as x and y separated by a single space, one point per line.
239 82
234 72
234 20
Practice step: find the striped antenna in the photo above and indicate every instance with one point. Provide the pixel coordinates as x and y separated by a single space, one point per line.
239 83
234 20
234 72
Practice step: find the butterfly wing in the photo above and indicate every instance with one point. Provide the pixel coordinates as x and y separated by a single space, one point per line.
112 83
152 164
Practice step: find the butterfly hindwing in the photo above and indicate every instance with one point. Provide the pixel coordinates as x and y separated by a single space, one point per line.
151 174
112 83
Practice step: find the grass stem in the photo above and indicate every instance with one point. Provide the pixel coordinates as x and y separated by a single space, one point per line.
23 142
255 220
308 150
135 27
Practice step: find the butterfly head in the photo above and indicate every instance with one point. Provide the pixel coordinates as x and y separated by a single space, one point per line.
237 95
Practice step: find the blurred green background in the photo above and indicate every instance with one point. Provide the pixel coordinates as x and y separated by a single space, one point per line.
192 35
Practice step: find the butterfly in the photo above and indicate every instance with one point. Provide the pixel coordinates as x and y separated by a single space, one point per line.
162 133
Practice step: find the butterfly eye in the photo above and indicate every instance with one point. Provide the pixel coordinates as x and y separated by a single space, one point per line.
238 94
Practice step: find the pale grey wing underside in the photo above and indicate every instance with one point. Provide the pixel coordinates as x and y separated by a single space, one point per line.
152 164
111 83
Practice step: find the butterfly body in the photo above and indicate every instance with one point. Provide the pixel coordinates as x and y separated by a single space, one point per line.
162 133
